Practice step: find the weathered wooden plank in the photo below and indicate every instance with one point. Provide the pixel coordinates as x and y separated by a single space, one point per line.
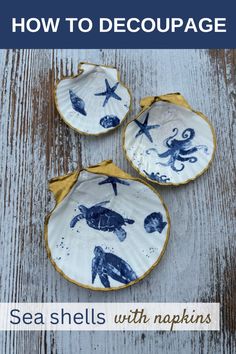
199 264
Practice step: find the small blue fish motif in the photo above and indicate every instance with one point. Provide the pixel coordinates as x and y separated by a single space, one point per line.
109 93
77 103
109 121
114 181
106 264
157 177
154 222
100 218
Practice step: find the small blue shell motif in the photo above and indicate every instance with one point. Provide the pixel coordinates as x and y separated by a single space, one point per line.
154 222
106 264
77 103
109 121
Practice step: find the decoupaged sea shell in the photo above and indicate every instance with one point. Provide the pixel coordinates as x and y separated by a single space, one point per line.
168 142
93 102
103 234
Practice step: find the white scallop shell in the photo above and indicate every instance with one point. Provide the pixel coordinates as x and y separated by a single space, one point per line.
71 249
85 111
173 133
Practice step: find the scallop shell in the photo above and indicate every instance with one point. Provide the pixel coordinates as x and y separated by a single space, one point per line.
120 236
168 142
93 102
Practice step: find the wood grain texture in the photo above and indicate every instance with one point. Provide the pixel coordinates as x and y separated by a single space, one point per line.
35 145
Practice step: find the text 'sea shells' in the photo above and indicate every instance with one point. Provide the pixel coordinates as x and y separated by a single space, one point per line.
168 142
93 102
107 230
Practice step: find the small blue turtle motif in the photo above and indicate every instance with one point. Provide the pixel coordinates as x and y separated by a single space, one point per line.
109 121
77 103
154 222
109 93
107 264
100 218
114 181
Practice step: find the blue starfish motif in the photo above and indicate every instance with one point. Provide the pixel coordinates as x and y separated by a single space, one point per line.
114 181
110 92
144 128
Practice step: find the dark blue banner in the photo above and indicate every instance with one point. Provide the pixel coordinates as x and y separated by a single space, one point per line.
117 24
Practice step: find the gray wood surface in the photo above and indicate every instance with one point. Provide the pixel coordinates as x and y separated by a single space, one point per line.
35 145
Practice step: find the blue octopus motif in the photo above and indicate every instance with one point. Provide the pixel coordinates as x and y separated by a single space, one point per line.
178 150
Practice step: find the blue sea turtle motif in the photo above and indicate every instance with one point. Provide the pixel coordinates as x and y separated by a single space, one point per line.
114 181
100 218
107 264
110 92
77 103
109 121
154 222
179 150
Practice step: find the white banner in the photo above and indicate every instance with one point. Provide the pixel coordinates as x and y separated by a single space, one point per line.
109 316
